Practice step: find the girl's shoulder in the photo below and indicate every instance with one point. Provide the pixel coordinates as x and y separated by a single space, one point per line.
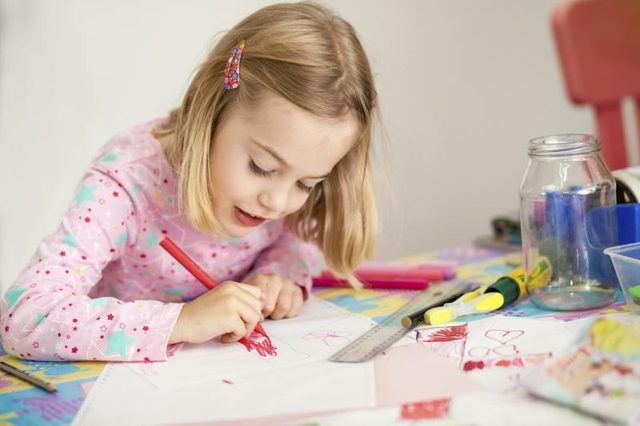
134 150
133 145
135 158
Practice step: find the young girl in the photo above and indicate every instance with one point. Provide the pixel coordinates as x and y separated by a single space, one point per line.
265 161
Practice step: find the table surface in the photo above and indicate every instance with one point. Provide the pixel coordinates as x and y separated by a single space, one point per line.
22 404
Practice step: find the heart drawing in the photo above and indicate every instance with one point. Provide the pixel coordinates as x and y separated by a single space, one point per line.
503 336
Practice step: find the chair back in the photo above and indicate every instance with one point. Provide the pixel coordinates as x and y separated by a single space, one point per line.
598 43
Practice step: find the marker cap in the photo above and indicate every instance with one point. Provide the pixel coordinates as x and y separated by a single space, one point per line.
508 287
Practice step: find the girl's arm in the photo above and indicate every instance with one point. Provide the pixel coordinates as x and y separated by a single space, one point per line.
47 313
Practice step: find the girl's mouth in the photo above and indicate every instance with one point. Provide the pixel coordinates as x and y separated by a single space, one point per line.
247 219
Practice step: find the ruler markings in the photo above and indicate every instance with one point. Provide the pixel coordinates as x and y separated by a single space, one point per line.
390 330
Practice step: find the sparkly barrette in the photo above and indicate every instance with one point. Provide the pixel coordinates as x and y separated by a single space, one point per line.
232 69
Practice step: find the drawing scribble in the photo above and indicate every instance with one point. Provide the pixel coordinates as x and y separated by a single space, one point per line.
503 354
489 363
329 337
260 343
503 336
447 342
444 334
473 365
433 409
481 352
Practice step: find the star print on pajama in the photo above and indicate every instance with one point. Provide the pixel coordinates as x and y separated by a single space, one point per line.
101 288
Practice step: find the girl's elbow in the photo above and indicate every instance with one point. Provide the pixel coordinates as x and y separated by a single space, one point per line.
21 341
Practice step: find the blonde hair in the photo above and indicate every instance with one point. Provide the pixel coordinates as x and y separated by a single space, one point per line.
306 54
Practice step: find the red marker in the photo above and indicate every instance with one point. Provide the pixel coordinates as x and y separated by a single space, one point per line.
195 270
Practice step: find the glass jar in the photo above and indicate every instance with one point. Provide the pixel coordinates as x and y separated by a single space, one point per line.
567 200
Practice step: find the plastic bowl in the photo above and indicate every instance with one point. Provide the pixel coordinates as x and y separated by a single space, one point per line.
626 261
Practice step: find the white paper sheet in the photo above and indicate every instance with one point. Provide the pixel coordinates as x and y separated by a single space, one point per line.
319 331
500 349
220 382
121 396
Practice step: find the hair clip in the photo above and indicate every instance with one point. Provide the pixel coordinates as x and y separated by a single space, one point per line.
232 69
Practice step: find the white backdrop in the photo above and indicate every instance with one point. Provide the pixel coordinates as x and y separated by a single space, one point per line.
463 85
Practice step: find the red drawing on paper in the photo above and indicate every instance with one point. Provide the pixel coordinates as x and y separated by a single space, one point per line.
503 336
518 362
434 409
330 338
479 352
473 365
491 363
507 350
482 352
445 334
447 342
504 354
260 343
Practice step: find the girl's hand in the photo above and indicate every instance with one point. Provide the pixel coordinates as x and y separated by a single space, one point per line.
230 310
281 297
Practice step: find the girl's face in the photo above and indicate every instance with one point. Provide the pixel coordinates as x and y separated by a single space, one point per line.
266 158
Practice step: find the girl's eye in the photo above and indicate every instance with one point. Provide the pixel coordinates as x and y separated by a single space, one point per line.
258 170
304 187
266 173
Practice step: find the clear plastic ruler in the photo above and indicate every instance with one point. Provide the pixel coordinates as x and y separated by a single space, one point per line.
390 330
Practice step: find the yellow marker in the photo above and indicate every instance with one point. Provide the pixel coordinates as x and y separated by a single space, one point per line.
505 291
446 315
448 312
472 294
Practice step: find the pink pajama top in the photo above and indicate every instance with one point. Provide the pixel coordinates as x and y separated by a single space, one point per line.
101 288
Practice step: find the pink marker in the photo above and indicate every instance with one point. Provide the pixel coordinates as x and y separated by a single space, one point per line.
392 284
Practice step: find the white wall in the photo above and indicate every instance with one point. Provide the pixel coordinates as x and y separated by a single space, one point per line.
463 85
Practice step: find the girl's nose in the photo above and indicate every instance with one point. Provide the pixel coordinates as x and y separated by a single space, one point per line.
274 200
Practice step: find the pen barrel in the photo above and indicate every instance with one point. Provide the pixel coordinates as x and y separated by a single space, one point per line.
184 259
405 284
27 377
379 273
385 267
431 275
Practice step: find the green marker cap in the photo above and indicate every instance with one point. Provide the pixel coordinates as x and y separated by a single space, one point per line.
507 287
635 291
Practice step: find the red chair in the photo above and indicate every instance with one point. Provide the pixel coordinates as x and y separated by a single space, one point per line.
598 43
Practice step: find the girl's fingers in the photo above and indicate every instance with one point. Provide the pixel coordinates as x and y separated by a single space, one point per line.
265 289
238 330
249 297
255 290
284 303
244 322
250 314
296 302
271 297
